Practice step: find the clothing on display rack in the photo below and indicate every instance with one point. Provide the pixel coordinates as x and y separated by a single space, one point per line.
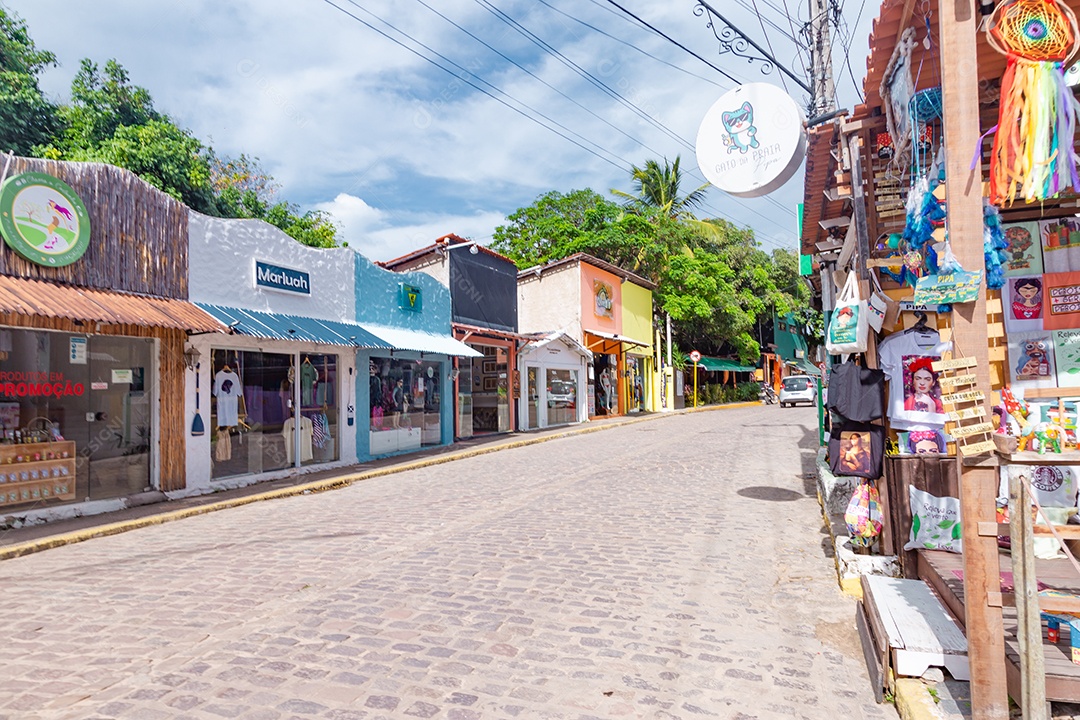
306 430
914 391
309 378
227 390
223 446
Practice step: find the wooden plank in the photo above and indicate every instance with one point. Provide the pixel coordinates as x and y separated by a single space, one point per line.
993 529
957 22
978 448
875 659
952 382
954 364
1029 623
969 430
966 413
969 396
913 618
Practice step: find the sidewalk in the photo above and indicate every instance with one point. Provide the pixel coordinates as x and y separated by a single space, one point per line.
35 538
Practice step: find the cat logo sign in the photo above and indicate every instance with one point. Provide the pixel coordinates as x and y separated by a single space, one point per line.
752 140
410 298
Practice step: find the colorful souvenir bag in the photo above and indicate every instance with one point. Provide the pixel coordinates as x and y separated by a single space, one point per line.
849 327
863 516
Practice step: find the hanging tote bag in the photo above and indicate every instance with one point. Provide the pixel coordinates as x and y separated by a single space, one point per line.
856 392
856 449
848 329
882 310
863 516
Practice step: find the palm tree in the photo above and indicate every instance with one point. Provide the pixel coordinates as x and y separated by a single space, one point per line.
657 188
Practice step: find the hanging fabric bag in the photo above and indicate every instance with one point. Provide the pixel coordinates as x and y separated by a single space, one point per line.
856 449
856 392
880 307
863 516
848 329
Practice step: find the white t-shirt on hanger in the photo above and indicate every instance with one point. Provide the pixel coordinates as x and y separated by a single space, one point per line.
914 393
227 390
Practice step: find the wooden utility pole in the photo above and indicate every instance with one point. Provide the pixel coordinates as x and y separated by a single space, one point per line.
978 485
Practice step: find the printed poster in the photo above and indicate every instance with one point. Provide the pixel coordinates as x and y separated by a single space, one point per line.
1031 360
1067 356
1060 240
1022 300
1024 253
1061 301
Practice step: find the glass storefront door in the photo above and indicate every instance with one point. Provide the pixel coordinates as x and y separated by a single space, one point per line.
406 405
562 396
533 390
120 401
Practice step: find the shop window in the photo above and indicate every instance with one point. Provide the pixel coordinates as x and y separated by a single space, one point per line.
562 396
253 395
77 417
533 390
491 390
405 405
607 384
635 383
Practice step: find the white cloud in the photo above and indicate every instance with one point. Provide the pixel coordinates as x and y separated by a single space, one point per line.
339 113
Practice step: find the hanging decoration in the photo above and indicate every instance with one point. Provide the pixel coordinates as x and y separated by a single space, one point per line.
994 246
1033 156
897 90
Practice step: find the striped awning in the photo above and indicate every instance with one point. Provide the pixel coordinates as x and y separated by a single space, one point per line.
277 326
24 296
421 342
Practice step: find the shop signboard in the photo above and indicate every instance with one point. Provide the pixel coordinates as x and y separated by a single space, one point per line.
604 304
410 297
43 220
77 352
275 277
752 140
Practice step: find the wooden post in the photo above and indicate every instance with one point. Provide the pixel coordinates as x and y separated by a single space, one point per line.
858 204
1028 617
978 485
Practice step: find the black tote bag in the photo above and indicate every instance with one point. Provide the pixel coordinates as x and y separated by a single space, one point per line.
857 449
856 392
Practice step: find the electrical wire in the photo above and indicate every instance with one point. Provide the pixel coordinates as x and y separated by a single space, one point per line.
673 41
768 41
465 80
630 45
541 80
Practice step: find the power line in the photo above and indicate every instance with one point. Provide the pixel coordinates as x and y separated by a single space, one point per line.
537 77
673 41
465 80
768 40
630 45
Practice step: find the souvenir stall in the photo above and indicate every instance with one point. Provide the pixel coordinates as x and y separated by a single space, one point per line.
944 213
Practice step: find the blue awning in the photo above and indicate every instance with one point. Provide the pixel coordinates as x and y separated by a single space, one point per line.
275 326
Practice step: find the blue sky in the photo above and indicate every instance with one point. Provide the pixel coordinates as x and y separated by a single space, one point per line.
401 152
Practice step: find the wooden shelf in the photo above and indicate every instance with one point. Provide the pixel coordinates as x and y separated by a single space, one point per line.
17 491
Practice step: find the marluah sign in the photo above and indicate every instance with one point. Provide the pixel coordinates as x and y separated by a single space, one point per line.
285 279
752 140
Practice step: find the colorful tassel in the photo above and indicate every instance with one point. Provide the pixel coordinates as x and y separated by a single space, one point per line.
1033 156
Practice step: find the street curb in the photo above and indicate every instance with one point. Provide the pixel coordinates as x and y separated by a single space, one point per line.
913 702
115 528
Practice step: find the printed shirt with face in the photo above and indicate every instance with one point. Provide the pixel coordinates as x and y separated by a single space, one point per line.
892 354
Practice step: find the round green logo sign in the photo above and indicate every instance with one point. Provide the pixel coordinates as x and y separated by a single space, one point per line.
43 219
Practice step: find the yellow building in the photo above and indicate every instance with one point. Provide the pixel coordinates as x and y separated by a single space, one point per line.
640 377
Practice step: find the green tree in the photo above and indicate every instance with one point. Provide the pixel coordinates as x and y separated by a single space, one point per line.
659 187
27 118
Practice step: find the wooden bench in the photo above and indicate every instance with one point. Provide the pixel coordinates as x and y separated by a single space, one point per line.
905 628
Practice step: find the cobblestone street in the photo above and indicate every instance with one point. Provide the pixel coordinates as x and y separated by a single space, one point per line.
675 568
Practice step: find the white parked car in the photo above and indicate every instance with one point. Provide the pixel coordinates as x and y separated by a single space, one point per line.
796 389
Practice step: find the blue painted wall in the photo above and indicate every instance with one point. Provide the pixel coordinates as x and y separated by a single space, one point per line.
377 299
377 302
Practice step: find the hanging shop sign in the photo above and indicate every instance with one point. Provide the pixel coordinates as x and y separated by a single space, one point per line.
410 297
752 140
908 306
957 287
43 220
280 278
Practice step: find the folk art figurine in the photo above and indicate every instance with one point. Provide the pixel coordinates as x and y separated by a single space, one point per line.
1033 156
